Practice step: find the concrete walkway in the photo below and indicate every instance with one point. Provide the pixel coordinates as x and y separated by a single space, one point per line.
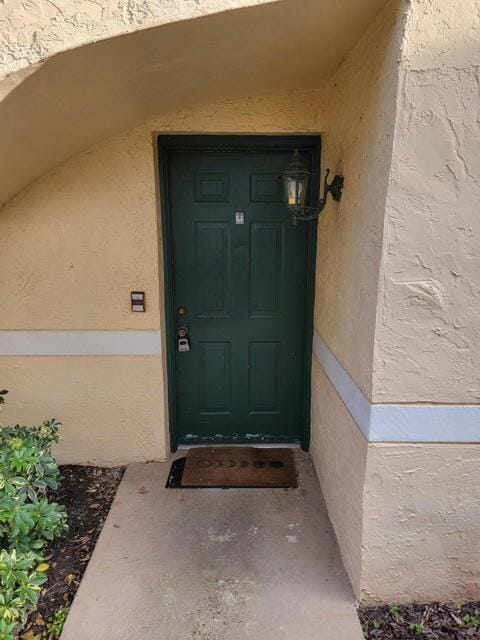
213 564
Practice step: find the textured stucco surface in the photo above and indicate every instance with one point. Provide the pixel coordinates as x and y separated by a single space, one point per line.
87 233
339 453
360 102
76 242
68 102
421 513
406 515
359 112
37 29
428 334
88 229
421 539
111 407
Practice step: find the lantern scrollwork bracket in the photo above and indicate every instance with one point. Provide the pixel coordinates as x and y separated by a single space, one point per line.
296 178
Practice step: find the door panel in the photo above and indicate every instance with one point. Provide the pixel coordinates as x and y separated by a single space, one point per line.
266 268
212 251
244 289
264 378
214 380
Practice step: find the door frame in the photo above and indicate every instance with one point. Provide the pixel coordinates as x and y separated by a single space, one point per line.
235 142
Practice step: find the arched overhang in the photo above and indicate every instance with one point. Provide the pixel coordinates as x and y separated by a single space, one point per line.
81 96
35 31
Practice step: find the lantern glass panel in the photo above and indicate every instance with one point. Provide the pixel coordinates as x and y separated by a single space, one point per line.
302 182
290 185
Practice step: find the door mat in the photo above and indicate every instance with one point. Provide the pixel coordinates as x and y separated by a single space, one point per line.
229 467
174 480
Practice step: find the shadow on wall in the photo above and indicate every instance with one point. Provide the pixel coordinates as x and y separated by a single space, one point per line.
81 96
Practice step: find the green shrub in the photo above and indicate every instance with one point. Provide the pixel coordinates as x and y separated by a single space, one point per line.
20 581
28 521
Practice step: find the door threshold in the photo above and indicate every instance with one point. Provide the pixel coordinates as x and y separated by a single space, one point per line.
258 445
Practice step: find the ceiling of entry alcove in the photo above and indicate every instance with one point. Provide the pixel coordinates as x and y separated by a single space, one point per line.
84 95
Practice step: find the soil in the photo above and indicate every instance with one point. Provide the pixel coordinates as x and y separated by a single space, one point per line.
87 494
432 621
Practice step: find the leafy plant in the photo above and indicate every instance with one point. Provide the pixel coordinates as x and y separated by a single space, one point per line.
473 621
43 436
27 467
393 609
20 581
27 526
55 624
416 627
28 520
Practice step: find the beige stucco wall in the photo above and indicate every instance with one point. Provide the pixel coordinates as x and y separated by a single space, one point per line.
76 242
39 29
77 72
72 247
111 407
406 516
360 118
406 230
88 229
339 451
421 539
427 344
421 513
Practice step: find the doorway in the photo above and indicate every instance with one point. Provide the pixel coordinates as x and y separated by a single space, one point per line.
239 290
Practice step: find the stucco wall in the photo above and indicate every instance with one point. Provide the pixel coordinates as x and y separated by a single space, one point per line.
360 118
38 29
421 513
408 231
428 334
339 451
421 539
78 71
111 407
72 247
76 242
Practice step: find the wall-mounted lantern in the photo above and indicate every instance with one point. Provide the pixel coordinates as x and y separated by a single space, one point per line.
296 178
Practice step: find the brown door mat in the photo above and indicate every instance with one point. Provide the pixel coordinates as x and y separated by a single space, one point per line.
239 467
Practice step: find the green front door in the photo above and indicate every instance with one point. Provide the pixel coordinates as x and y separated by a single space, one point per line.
239 287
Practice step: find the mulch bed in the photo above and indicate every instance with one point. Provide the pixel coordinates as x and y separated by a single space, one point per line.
87 494
433 621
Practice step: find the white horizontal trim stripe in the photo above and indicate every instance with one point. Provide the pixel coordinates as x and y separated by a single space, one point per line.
79 343
398 422
424 423
353 398
377 422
